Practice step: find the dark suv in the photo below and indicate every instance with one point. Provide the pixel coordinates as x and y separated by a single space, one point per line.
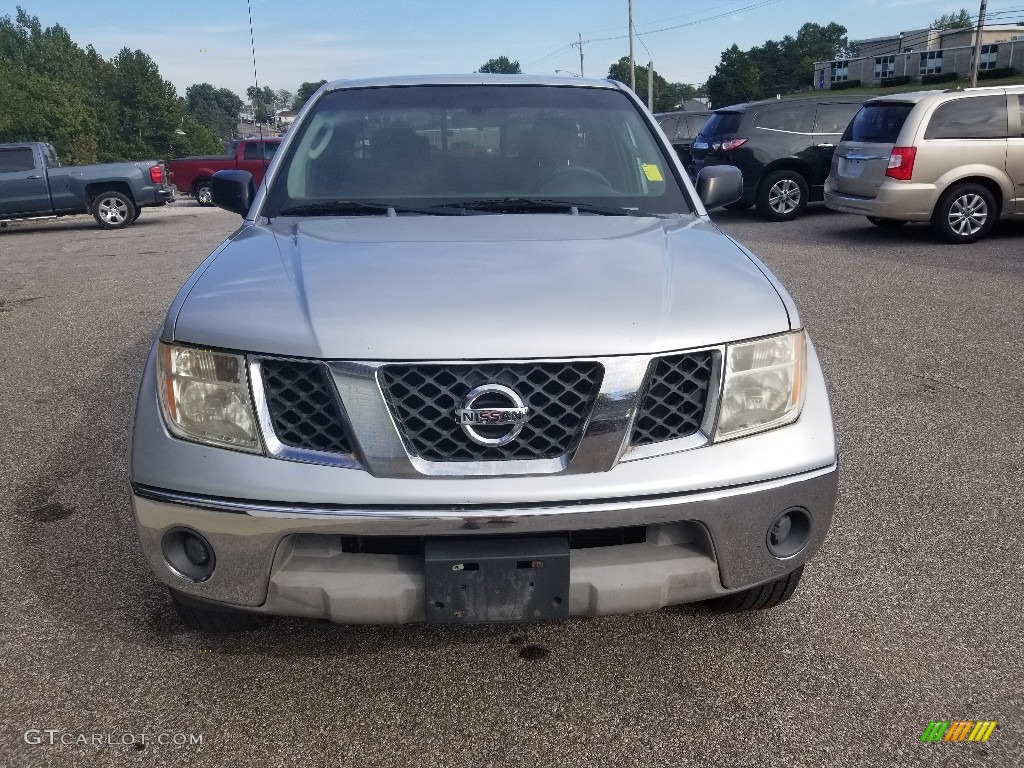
783 148
682 128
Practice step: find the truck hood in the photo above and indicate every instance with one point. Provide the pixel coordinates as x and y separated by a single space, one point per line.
475 287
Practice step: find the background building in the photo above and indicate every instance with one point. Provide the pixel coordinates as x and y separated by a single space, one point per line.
920 52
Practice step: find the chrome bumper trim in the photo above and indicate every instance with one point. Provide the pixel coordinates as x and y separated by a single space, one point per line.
488 512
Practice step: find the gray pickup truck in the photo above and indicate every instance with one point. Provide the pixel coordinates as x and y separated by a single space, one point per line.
34 185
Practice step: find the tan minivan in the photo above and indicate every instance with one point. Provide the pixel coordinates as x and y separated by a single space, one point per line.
954 158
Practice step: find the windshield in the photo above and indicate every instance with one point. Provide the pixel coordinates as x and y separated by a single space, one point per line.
878 123
475 149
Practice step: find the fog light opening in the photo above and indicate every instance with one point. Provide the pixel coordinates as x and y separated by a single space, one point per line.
188 554
789 533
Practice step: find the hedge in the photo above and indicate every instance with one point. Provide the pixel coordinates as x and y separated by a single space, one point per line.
991 74
842 85
941 77
892 82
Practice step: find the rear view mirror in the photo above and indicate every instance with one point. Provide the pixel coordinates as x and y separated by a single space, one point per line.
233 191
719 185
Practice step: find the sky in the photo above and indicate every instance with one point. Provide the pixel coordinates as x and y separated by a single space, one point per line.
194 41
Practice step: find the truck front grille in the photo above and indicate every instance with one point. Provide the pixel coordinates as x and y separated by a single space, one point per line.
674 399
304 408
423 399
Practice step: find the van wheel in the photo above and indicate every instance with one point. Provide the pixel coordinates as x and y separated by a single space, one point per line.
967 212
204 193
782 196
886 223
195 615
765 596
113 210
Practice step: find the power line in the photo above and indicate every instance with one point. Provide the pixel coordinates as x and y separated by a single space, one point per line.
751 7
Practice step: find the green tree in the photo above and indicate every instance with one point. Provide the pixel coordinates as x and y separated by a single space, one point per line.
667 96
958 20
779 66
215 108
263 100
501 66
736 79
45 86
89 108
305 91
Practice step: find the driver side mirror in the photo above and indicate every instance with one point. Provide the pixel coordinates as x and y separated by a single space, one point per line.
234 191
719 185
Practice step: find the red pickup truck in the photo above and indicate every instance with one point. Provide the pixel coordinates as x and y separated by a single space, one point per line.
192 175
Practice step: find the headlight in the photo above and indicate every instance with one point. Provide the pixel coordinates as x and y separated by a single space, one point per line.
204 396
763 386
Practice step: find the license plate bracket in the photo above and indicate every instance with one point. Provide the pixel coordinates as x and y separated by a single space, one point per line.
493 580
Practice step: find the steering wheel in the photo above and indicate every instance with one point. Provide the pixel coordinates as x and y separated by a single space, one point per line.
562 179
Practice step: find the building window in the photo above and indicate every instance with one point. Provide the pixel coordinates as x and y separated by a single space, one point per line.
839 71
931 62
885 66
989 56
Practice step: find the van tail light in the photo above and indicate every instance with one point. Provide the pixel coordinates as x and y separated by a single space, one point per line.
156 174
901 163
730 144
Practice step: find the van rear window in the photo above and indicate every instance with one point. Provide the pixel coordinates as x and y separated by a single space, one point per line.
878 123
722 123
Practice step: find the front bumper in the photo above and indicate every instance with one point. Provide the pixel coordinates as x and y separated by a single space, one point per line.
289 560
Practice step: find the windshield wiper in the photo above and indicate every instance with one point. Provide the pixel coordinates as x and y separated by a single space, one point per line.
532 205
363 208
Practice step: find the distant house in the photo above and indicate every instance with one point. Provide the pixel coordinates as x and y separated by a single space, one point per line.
921 52
285 117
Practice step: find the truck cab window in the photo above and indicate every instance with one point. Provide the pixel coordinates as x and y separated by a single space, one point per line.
16 160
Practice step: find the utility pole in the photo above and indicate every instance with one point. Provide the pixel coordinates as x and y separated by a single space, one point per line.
580 46
977 45
650 85
632 64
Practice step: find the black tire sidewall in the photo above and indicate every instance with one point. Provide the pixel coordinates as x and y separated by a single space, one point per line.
764 189
940 218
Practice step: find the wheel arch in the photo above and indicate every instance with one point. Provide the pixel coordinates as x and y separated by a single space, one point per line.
787 164
993 185
96 188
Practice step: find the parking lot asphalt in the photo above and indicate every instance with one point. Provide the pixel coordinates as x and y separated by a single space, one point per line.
910 614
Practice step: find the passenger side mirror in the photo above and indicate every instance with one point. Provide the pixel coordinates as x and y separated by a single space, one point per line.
719 185
233 191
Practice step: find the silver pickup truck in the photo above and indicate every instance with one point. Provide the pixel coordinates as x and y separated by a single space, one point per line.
477 353
33 184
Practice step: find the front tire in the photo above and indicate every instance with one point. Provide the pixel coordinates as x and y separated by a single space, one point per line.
765 596
204 193
196 616
782 196
113 210
966 213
